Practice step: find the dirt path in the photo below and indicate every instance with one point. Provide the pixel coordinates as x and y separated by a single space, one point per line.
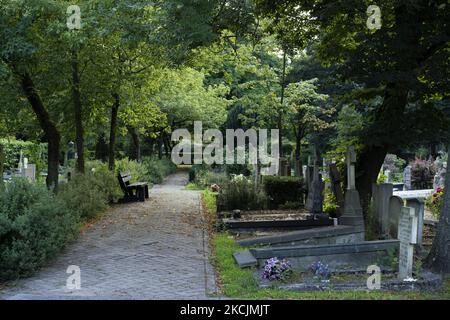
152 250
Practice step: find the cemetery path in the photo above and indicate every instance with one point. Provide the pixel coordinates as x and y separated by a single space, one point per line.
152 250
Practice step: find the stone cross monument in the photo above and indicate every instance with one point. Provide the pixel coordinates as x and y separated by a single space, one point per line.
353 214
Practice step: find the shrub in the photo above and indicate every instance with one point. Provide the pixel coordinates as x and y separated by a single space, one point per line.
34 226
208 178
241 193
138 171
195 170
104 180
283 189
89 194
275 269
157 169
149 169
422 174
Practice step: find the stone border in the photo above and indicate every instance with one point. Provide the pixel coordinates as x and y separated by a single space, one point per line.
430 282
233 224
304 251
324 233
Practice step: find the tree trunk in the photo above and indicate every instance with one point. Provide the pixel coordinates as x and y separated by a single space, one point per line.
2 161
160 143
112 132
136 143
385 131
280 113
49 128
368 166
78 111
438 259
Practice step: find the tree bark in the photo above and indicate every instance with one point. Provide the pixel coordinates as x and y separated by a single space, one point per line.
78 111
136 143
384 131
438 259
51 132
2 161
112 132
280 112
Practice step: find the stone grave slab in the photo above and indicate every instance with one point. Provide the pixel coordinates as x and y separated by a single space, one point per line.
407 235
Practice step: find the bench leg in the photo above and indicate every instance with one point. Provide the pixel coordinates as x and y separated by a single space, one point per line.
146 192
141 194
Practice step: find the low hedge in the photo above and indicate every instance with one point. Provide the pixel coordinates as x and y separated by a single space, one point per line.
282 190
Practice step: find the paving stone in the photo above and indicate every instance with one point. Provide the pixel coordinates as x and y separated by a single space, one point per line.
152 250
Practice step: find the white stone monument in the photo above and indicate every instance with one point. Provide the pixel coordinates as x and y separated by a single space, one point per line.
407 234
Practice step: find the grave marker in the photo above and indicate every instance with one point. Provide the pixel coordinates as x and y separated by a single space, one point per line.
395 209
407 178
314 202
353 214
407 234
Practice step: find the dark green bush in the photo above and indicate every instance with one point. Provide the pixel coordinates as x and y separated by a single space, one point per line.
240 193
195 170
34 226
89 194
158 169
150 169
283 189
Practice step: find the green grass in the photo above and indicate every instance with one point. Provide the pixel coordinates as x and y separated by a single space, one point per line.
241 283
192 186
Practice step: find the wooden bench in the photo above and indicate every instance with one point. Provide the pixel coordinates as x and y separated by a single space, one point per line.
133 191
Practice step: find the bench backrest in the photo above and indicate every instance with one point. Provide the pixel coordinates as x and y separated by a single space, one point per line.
124 179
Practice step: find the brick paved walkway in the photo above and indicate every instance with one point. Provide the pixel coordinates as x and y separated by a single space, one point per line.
152 250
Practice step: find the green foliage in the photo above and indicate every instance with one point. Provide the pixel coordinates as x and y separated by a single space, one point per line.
330 203
35 152
241 193
382 178
207 178
422 174
149 169
89 194
34 226
283 189
158 169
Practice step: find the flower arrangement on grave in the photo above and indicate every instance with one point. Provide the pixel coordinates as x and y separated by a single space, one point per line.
275 269
320 270
434 203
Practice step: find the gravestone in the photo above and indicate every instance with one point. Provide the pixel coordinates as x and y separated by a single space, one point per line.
29 172
407 178
353 214
314 202
419 207
395 209
381 193
407 234
336 180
